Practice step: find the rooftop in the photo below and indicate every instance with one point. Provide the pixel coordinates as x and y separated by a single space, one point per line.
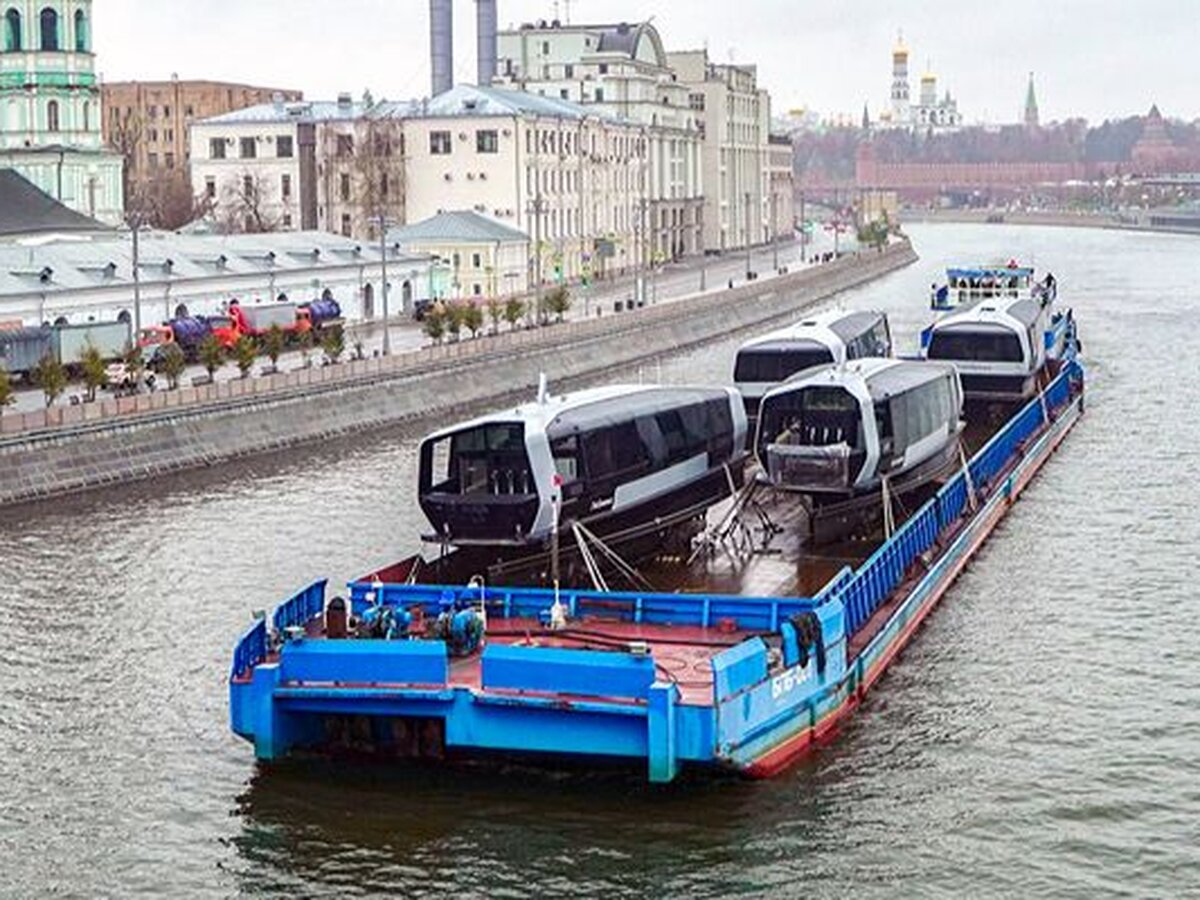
27 210
469 100
66 264
342 110
458 226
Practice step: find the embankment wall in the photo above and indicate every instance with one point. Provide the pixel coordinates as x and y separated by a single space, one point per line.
76 448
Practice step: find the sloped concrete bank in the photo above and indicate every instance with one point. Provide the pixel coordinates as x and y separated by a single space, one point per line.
90 454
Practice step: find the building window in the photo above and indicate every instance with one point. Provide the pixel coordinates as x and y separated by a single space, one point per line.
87 116
346 224
170 160
247 148
545 48
345 145
152 160
599 95
487 141
285 186
49 29
603 68
210 188
81 31
166 112
439 143
477 290
569 71
696 101
564 93
189 111
476 261
152 112
248 187
216 148
283 146
52 116
345 186
287 220
383 185
152 135
169 136
12 30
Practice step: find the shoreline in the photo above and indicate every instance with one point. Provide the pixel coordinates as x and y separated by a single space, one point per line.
129 440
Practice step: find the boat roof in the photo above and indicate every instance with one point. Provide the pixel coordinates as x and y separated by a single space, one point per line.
611 403
990 272
993 310
883 378
845 325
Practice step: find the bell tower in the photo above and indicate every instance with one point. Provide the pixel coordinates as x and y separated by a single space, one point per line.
900 101
50 105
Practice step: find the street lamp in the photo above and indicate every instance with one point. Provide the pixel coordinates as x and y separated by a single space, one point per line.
383 222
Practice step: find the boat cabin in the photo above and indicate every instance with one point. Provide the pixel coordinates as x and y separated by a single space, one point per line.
841 429
998 345
608 458
831 337
965 286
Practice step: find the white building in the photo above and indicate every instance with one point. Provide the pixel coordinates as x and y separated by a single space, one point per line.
782 182
573 177
50 106
303 165
81 280
622 70
483 256
735 115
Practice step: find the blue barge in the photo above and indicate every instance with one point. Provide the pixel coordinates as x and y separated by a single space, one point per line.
664 681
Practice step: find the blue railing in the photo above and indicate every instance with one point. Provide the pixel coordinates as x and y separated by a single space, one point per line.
863 591
251 649
299 609
703 610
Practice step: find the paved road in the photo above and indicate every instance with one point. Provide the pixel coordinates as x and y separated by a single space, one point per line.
670 283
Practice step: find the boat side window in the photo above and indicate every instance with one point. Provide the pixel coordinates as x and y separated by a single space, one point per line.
566 458
883 428
614 451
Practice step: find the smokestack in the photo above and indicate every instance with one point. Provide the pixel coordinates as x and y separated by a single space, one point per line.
441 44
485 19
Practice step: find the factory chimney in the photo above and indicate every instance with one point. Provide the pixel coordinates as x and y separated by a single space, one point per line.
441 44
485 20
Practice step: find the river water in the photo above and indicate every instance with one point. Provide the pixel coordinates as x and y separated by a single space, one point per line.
1040 737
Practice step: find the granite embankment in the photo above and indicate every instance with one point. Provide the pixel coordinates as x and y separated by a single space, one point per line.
75 448
1053 219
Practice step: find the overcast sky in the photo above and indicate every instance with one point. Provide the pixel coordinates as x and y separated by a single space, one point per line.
1096 58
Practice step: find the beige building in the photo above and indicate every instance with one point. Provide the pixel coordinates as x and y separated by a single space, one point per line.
782 187
148 121
281 166
573 178
735 118
622 71
483 256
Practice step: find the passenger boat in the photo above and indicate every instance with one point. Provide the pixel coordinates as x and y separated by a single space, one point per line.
966 286
402 667
608 459
849 439
831 337
999 346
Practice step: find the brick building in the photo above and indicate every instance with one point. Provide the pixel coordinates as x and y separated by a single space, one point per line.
147 121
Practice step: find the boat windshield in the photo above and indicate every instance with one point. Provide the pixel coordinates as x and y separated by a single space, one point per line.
816 416
771 366
489 460
992 345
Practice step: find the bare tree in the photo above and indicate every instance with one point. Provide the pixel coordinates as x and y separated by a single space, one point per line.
125 137
364 170
246 205
165 200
